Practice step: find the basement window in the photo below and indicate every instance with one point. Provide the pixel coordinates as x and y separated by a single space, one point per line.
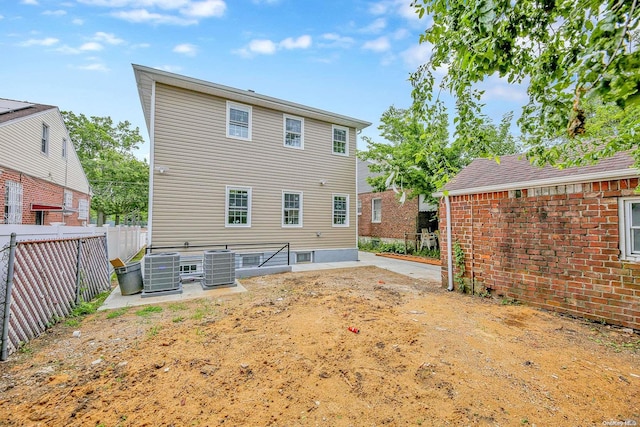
303 257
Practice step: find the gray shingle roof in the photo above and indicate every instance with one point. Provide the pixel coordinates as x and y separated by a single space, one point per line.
513 172
363 173
24 112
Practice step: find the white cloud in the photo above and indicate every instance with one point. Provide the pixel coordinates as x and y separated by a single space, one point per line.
186 49
68 50
1 17
49 41
269 47
302 42
96 66
499 89
336 40
143 16
77 21
204 9
30 2
266 1
108 38
91 47
141 46
381 44
375 27
399 7
417 55
263 47
172 12
58 12
170 68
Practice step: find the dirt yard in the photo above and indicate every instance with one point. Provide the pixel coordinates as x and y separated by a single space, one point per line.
282 355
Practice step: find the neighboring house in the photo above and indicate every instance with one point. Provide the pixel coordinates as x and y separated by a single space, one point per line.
232 166
565 240
41 179
382 216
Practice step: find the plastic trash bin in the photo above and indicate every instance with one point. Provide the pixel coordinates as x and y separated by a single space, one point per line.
130 278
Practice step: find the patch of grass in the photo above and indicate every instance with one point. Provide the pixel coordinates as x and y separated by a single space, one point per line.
177 319
117 313
177 306
153 331
510 301
24 348
84 308
203 311
148 311
72 323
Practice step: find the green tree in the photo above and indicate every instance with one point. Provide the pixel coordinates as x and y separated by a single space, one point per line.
418 157
118 179
569 53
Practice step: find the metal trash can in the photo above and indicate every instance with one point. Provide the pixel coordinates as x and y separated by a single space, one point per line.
130 278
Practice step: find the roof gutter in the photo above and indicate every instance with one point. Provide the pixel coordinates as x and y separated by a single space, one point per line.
447 204
595 176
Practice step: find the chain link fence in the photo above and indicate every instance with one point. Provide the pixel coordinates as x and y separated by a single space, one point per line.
42 281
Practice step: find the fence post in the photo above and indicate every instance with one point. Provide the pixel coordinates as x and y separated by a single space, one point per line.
7 299
78 266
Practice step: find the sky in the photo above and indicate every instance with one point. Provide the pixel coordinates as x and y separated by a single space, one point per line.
347 57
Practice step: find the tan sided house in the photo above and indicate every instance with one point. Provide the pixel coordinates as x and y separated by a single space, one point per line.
41 179
231 166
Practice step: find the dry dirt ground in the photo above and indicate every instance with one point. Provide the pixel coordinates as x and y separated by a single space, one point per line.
282 355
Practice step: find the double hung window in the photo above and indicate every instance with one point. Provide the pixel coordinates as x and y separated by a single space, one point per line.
238 121
238 207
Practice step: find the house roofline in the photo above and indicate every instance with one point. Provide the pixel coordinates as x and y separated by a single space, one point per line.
239 95
596 176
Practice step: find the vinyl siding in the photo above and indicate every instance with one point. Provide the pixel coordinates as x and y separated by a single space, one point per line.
189 199
20 150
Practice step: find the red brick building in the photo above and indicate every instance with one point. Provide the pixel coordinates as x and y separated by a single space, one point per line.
564 240
381 215
41 179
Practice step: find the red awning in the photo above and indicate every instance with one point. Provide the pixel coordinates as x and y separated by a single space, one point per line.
47 208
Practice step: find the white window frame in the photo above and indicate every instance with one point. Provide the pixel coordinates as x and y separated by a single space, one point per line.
359 206
333 210
333 140
228 189
298 255
241 107
284 125
12 213
44 142
299 224
376 219
68 199
83 209
626 226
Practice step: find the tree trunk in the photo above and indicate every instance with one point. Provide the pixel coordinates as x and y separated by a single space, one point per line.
117 221
100 219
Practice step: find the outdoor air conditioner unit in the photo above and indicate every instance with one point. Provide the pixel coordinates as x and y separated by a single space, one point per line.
219 268
162 274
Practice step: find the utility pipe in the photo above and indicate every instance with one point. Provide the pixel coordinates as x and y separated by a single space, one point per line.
4 352
447 204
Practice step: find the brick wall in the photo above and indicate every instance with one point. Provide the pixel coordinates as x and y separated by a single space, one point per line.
40 191
556 248
396 218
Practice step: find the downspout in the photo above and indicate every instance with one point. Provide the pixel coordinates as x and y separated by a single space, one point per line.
152 120
447 204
